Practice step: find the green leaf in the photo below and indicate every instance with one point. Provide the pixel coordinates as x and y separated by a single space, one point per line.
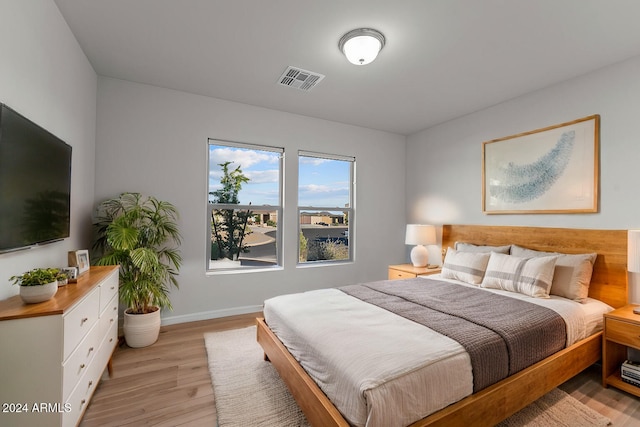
140 234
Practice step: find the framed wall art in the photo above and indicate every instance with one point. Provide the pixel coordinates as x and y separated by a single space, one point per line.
549 170
79 259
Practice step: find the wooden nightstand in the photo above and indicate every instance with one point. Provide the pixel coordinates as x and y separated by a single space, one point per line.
621 330
407 271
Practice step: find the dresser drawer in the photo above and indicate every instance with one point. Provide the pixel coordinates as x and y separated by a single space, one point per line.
107 347
79 399
80 360
89 375
79 321
397 274
108 289
622 332
109 316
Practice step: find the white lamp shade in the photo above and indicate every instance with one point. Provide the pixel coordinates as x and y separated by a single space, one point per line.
362 50
633 251
361 46
419 234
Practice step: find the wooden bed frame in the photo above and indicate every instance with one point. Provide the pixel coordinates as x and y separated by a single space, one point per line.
499 401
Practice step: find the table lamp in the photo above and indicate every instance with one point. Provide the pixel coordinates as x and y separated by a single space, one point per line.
633 251
420 235
633 265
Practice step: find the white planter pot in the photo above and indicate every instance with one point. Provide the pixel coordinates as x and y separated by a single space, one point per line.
141 330
41 293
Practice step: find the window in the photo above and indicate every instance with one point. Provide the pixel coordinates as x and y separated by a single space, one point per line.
325 207
244 209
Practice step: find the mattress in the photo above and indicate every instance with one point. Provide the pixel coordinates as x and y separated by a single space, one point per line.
377 367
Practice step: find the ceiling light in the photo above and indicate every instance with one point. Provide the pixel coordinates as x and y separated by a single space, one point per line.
361 46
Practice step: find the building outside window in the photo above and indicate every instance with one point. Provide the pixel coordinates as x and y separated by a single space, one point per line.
325 207
244 206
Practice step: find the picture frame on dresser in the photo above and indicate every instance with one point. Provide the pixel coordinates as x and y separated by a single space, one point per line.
548 170
80 260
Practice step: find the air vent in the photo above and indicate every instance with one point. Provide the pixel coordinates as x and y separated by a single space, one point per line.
300 79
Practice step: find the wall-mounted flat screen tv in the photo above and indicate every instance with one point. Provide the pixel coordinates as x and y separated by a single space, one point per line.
35 183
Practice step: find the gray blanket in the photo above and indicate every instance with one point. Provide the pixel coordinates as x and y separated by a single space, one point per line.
502 335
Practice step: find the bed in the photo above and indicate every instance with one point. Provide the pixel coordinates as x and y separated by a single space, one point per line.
496 402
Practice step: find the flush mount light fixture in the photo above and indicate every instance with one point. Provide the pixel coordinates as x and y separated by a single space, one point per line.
361 46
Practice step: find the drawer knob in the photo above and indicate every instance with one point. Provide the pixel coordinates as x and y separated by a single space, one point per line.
90 384
82 366
90 349
83 402
84 319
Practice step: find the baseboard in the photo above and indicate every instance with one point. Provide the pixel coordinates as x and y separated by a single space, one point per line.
213 314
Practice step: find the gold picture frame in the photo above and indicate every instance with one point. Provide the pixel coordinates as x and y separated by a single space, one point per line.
548 170
80 260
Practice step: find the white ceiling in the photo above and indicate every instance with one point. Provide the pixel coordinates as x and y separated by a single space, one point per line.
443 58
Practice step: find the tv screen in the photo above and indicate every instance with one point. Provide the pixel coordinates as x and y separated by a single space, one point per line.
35 183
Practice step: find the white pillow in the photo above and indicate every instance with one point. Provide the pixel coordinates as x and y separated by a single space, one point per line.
528 276
470 247
572 275
467 267
529 253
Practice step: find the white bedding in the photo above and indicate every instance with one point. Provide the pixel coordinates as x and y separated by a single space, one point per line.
357 353
588 323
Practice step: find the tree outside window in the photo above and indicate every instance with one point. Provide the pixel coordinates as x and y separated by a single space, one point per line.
244 208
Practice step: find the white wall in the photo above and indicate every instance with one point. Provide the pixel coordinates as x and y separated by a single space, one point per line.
45 76
444 162
154 141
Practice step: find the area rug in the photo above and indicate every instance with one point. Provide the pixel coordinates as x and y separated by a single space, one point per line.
248 391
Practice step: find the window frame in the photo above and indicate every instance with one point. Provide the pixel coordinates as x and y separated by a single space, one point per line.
278 208
350 209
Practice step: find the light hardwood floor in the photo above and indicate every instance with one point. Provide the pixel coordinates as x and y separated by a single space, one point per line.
168 384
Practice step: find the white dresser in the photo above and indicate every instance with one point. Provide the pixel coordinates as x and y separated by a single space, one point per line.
53 354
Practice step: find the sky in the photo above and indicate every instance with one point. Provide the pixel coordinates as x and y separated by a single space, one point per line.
321 182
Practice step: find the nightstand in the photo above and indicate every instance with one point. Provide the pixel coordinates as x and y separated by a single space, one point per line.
407 271
621 330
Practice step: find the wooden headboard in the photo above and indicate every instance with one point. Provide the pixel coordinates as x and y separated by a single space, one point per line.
609 279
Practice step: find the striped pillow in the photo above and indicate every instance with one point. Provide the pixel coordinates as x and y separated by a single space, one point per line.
528 276
572 275
467 267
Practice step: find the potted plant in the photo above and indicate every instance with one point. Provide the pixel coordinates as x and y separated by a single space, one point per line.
37 285
62 278
140 234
